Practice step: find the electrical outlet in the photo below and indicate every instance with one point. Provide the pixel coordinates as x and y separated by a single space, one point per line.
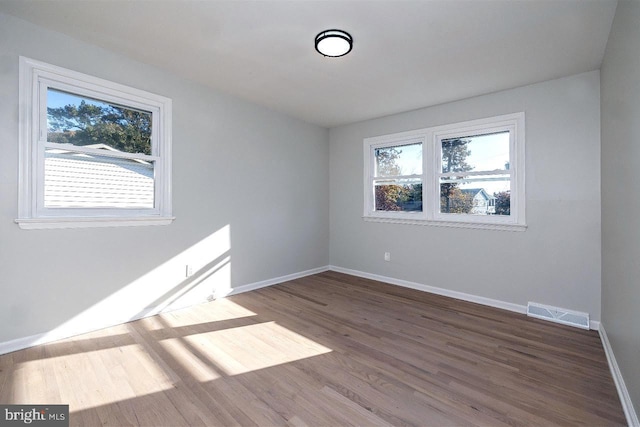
189 270
387 256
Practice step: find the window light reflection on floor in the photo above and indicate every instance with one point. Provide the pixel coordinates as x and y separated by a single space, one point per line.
248 348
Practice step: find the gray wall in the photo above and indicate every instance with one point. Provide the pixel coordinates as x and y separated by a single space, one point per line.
555 261
248 184
620 196
251 187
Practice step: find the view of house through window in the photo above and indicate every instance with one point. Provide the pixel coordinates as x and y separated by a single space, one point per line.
84 178
468 174
474 176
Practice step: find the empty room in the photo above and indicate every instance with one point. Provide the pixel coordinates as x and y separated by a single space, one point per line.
319 213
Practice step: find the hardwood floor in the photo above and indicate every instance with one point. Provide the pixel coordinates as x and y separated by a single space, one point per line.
328 349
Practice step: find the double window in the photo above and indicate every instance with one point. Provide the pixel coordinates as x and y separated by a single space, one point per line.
92 152
467 174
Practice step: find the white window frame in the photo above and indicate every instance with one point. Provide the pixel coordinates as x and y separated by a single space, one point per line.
394 141
34 80
431 159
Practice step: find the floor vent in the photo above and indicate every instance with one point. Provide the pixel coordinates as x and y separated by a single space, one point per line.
558 315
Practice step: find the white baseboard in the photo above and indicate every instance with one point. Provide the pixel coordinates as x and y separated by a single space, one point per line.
22 343
274 281
62 333
593 324
625 399
434 290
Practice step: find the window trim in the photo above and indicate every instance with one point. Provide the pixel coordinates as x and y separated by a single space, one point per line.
370 177
431 153
34 78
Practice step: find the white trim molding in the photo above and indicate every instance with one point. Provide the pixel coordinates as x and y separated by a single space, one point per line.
517 308
623 393
454 224
434 290
62 333
73 222
274 281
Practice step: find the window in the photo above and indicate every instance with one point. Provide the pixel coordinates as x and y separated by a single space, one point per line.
92 153
397 178
467 174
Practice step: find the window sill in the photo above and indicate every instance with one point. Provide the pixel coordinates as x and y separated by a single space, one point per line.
453 224
51 223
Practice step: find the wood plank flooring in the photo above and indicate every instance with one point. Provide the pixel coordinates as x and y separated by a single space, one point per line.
325 350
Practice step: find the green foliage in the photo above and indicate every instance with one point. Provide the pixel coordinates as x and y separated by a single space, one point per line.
398 197
414 194
454 159
388 197
86 124
454 200
503 203
386 161
454 155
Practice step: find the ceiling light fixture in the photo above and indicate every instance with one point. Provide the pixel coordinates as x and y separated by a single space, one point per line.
334 43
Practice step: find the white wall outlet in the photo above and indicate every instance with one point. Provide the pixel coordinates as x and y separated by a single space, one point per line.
387 256
189 270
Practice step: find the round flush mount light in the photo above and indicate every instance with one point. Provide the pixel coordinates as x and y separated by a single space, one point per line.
334 43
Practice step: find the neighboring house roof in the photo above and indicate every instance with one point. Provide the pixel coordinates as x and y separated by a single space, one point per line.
88 180
101 147
475 192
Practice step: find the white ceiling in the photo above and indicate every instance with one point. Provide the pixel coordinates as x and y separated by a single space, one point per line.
406 54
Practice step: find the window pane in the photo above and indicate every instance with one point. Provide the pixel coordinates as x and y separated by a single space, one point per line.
487 152
399 160
79 180
77 120
477 195
398 195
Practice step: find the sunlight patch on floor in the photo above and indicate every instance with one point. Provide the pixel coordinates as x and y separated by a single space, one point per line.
89 379
215 311
201 370
249 348
152 357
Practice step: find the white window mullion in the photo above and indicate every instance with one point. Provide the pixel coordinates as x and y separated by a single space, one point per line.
396 177
475 173
465 179
39 193
39 145
434 162
42 112
370 199
99 152
158 166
